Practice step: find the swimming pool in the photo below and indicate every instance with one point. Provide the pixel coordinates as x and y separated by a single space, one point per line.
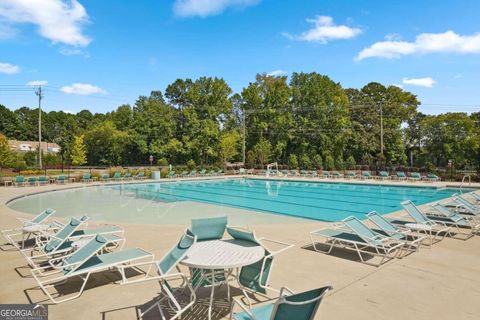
177 202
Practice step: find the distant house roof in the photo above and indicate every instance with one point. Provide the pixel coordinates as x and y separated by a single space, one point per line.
24 146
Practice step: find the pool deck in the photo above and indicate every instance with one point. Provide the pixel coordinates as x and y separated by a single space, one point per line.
438 283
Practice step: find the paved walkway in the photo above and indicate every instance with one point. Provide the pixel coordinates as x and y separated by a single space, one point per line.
438 283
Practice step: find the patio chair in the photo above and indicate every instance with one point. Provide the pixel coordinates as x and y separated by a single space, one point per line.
293 173
352 234
432 177
19 181
11 234
209 228
383 175
466 207
84 262
61 179
337 174
313 173
442 214
475 196
127 176
389 229
184 174
300 306
366 175
193 173
351 175
161 271
105 177
32 181
400 175
256 277
139 176
429 226
171 174
326 174
117 176
202 173
415 176
220 172
42 180
87 177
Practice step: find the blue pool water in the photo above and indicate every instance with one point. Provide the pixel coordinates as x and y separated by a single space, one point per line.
311 200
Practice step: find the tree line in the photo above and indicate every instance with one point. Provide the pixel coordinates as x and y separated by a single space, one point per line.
307 121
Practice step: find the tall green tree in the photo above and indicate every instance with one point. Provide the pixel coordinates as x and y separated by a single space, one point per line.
78 153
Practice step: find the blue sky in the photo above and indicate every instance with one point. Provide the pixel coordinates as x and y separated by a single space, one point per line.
100 54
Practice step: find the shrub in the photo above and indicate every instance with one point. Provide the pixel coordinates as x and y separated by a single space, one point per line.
292 161
191 164
329 162
162 162
318 162
305 162
350 163
164 172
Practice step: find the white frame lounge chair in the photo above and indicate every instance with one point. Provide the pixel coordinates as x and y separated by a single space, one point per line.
26 229
461 223
345 236
466 207
82 263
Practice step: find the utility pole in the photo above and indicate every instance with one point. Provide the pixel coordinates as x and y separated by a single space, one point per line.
381 128
244 131
39 93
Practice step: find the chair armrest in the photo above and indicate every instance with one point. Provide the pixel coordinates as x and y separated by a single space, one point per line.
285 245
242 306
287 290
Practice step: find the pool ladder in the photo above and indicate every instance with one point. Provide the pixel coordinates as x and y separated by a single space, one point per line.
463 181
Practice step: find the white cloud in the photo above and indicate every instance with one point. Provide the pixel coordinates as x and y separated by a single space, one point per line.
9 68
448 42
82 89
61 21
397 85
37 83
419 82
276 73
324 30
204 8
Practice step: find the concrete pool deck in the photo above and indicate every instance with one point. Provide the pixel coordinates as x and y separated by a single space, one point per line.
441 283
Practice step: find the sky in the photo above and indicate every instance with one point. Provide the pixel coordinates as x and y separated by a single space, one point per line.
97 55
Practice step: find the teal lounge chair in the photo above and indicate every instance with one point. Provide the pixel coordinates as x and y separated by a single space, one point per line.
352 234
475 196
139 176
184 174
203 172
256 277
25 231
387 228
400 175
105 177
313 173
117 176
432 177
127 176
293 173
87 177
32 181
430 227
326 174
19 181
61 179
84 262
289 306
42 180
172 174
337 174
466 207
461 223
351 175
193 173
220 172
383 175
161 271
415 176
366 175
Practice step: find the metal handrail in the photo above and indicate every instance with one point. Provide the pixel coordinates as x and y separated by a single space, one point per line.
463 181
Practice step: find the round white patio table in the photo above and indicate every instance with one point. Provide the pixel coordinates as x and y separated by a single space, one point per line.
222 254
33 229
418 227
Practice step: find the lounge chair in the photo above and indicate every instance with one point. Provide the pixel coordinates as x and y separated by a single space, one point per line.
300 306
389 229
32 181
354 235
127 176
220 172
140 176
400 175
184 174
255 277
105 177
475 196
366 175
430 227
383 175
442 214
171 174
27 229
87 177
466 207
61 179
313 173
293 173
415 176
161 271
42 180
19 181
202 173
193 173
337 174
432 177
82 263
351 175
326 174
117 176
